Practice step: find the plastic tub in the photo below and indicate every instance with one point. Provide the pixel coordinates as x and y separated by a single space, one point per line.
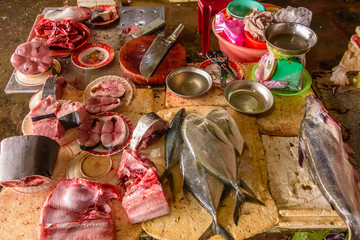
254 43
241 8
239 53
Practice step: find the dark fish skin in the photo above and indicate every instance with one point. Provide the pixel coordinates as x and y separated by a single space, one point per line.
196 182
322 148
173 143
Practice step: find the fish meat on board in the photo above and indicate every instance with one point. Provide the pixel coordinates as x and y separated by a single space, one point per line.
149 128
77 209
322 148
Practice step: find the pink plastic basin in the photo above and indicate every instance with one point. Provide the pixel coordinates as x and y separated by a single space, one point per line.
239 53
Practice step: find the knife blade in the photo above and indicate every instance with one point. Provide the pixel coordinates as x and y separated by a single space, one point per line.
156 52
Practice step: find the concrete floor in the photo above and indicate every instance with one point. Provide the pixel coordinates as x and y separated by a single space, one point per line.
333 21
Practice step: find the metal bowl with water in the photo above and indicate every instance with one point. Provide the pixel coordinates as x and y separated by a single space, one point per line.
291 39
248 97
189 82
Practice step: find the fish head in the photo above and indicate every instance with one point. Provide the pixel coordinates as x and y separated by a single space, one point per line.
315 111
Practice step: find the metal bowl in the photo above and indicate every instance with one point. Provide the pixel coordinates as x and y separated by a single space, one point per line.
248 97
189 82
291 39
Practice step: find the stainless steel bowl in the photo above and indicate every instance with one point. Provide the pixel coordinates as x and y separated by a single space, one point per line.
248 97
189 82
290 38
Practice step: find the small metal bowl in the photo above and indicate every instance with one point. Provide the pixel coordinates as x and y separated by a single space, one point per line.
290 38
189 82
248 97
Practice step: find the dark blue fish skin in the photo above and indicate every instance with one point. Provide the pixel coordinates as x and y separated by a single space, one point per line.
322 149
173 143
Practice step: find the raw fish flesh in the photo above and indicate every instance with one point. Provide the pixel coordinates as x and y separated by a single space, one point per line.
144 197
101 104
114 133
322 147
68 13
46 108
110 88
71 114
54 86
49 127
27 160
88 134
77 209
66 34
149 128
32 58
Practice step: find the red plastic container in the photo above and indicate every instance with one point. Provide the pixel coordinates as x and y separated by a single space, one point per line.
251 42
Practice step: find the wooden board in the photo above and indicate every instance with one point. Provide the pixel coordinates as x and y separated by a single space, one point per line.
285 117
299 200
187 219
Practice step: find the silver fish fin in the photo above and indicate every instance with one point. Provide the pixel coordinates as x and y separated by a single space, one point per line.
211 130
163 175
245 187
215 229
237 209
249 198
185 190
301 154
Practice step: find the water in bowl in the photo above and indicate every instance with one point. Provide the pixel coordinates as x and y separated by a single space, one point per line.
247 101
289 41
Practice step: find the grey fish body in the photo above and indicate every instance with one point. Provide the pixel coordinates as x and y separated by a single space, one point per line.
149 128
322 148
173 143
227 124
211 151
205 189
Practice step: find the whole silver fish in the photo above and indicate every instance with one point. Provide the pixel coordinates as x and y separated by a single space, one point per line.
173 143
205 189
322 148
211 149
149 128
228 125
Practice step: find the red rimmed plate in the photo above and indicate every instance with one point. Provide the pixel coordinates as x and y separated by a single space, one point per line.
105 7
93 55
213 70
100 151
128 85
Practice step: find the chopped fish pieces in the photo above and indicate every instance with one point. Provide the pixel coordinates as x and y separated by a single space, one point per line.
77 209
27 160
144 197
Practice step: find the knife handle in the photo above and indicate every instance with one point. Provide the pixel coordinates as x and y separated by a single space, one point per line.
177 32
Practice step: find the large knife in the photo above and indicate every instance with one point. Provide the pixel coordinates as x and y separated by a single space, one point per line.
157 51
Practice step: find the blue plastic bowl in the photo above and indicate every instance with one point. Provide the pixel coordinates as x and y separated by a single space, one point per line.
241 8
